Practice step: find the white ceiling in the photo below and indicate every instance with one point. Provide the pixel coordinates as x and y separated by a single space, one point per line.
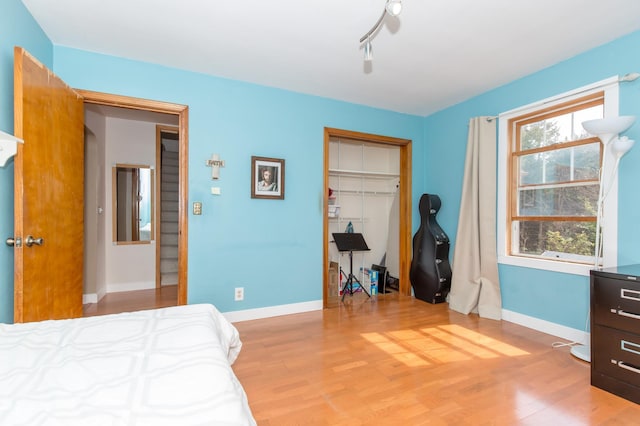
435 54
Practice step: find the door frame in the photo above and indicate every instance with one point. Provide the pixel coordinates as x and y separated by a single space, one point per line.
182 111
404 191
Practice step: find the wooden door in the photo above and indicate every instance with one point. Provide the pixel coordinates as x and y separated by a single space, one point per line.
49 194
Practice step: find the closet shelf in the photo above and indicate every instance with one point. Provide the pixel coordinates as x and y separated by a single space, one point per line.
364 192
348 219
360 173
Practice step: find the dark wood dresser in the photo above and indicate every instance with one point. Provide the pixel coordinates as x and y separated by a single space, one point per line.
615 330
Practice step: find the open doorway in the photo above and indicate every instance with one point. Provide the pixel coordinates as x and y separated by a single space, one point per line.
372 188
49 190
107 288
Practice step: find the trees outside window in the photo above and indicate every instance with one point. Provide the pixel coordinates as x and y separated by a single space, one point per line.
554 168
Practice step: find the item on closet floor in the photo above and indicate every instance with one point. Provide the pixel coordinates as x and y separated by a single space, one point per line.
334 280
369 279
393 283
351 242
382 278
430 272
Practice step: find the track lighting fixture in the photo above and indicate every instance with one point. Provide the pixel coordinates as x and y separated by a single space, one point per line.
393 8
368 53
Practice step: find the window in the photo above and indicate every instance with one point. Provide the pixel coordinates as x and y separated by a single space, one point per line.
554 184
549 181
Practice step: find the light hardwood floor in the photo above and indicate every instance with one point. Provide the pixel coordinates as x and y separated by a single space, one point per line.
127 301
401 361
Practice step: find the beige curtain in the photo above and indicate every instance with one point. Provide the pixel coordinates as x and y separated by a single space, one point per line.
475 286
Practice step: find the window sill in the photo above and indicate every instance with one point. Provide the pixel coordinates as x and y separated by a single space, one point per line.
547 265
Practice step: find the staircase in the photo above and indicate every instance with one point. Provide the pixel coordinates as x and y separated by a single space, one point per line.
169 217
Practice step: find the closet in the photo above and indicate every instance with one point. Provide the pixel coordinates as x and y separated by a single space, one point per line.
364 172
363 182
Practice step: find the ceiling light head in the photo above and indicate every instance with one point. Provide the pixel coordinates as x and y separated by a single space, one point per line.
368 51
394 7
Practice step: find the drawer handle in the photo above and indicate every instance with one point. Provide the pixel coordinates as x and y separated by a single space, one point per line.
626 366
630 294
628 314
630 347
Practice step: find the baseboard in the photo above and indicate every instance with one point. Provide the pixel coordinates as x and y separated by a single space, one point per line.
101 293
553 329
89 298
93 297
567 333
273 311
119 287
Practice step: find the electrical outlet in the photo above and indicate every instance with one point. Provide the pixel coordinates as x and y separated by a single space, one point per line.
239 295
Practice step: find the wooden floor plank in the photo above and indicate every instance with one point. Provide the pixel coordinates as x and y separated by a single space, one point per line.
127 301
397 360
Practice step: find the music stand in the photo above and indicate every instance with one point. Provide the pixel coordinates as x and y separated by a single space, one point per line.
351 242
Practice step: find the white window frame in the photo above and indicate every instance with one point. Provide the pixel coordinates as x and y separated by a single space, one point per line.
610 223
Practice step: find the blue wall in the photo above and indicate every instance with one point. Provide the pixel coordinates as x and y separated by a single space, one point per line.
555 297
17 28
271 248
274 248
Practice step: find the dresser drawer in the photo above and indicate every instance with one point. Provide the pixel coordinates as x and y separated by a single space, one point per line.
616 354
616 303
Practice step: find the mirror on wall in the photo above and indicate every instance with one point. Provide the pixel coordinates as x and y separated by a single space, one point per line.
133 221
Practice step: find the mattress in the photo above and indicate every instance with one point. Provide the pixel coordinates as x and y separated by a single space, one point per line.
169 366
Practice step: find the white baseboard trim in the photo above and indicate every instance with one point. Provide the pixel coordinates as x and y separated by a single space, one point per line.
89 298
118 287
568 333
273 311
92 297
101 293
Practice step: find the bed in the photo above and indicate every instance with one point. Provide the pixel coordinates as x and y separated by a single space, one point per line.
169 366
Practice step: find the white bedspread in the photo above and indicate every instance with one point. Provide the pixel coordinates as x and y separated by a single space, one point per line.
169 366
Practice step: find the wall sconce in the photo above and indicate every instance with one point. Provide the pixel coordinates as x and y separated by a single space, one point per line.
215 163
8 147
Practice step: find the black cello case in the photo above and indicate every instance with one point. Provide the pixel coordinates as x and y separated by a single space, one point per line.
430 272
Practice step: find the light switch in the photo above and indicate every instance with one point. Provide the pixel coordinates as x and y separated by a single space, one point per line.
215 190
197 208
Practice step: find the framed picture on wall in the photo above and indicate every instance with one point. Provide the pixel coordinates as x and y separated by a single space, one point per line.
267 178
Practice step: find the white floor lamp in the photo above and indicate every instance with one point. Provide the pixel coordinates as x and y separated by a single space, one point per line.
607 130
